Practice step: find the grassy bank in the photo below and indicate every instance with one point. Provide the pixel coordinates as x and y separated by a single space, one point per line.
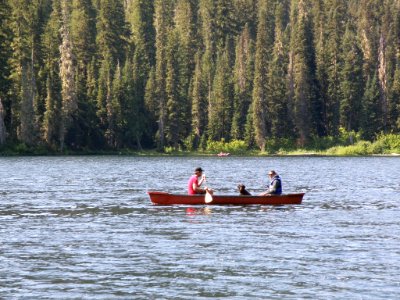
388 144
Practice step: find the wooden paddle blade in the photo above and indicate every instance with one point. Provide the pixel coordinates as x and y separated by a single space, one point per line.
208 198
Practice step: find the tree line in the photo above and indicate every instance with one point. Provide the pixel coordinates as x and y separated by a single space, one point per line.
113 74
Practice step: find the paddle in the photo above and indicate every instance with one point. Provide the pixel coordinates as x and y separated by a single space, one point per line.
208 198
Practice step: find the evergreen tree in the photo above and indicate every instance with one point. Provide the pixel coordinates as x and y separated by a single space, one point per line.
184 20
174 128
351 82
264 44
83 38
112 31
162 21
245 15
243 83
151 105
281 125
369 12
302 74
103 94
249 134
2 125
393 46
69 104
330 62
114 106
23 75
387 56
220 110
371 118
140 15
207 13
50 42
5 55
199 103
225 23
51 123
83 33
133 108
396 100
208 71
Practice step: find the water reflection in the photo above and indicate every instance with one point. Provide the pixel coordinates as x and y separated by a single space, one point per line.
192 211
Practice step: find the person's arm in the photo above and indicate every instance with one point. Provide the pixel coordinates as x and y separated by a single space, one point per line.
272 189
197 188
203 178
267 193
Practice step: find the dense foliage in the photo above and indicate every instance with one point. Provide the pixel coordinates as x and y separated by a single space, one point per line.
197 74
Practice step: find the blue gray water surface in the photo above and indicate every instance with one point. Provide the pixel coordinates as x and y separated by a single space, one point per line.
84 228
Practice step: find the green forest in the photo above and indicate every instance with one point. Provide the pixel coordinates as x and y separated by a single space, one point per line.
190 75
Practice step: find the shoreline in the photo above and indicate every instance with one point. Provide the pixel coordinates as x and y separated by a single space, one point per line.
153 153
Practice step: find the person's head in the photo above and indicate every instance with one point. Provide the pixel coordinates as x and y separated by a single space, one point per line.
198 171
271 173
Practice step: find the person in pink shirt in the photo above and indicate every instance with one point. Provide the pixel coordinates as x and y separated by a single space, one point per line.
194 183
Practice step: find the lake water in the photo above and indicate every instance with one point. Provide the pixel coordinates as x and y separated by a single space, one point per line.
84 228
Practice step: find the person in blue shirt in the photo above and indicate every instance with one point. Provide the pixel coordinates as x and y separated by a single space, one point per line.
275 185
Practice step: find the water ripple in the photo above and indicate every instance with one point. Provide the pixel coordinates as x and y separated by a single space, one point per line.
83 227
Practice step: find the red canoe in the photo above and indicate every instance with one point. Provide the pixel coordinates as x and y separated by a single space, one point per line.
163 198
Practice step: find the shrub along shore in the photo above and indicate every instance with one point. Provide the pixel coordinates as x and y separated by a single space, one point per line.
344 145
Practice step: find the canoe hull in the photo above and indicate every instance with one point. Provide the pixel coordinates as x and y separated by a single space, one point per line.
163 198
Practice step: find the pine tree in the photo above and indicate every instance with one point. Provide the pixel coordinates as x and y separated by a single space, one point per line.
89 123
104 83
264 44
151 105
393 46
388 60
302 74
246 15
23 75
281 124
368 34
199 103
225 23
114 106
83 33
133 107
243 82
69 104
396 100
162 21
249 134
83 38
208 27
5 55
174 128
351 82
220 111
112 31
331 20
51 122
185 21
140 15
371 118
2 125
51 41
